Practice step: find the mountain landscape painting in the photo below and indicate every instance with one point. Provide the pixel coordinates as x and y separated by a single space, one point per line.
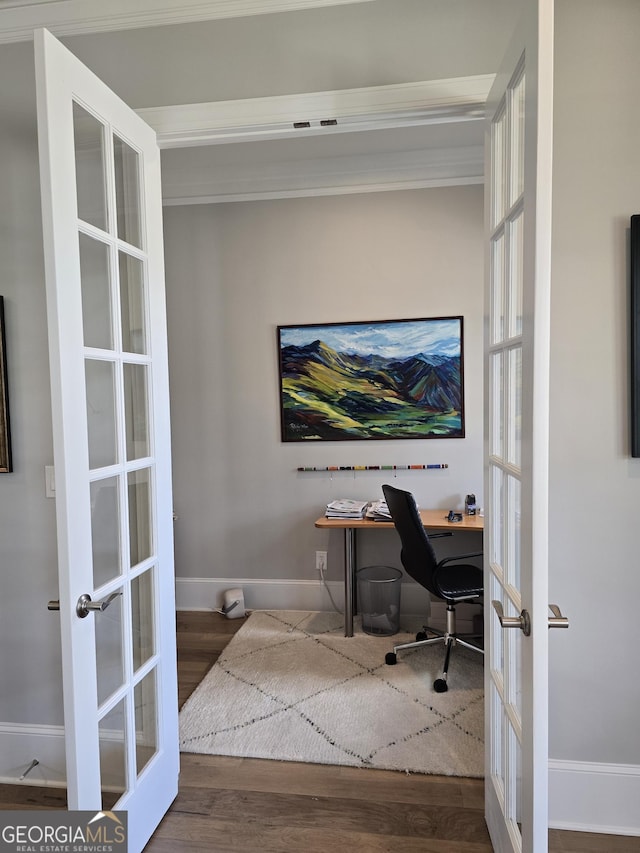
378 380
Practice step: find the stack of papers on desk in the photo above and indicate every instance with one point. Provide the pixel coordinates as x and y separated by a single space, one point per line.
379 511
346 509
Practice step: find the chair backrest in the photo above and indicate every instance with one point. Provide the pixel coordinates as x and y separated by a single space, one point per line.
417 554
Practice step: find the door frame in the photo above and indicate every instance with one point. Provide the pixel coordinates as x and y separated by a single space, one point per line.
190 133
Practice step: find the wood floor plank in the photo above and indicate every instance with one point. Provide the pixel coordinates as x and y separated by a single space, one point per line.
214 806
324 780
245 838
32 797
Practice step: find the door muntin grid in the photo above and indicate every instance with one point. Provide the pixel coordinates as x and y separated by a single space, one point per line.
506 278
113 270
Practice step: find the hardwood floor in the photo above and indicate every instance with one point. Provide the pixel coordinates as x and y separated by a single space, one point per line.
242 805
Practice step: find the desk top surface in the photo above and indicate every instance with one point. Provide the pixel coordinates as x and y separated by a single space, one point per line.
433 519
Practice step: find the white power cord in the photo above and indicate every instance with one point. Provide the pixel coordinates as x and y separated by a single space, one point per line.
326 586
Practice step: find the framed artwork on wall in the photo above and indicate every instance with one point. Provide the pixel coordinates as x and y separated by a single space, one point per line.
384 379
5 435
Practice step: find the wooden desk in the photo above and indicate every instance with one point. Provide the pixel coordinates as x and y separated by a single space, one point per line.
433 519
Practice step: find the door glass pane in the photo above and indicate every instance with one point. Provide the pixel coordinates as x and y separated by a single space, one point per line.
88 135
139 516
127 174
514 413
497 153
512 568
513 646
497 408
497 650
146 724
496 519
514 777
101 412
96 293
516 675
516 109
142 621
136 407
109 657
497 729
497 288
132 304
113 756
516 274
518 786
105 530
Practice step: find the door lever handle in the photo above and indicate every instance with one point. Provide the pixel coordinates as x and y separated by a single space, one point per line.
557 620
85 605
522 621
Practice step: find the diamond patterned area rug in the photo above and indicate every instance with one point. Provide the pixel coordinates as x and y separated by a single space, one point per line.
290 686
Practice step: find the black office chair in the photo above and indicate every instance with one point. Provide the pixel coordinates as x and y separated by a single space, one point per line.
448 579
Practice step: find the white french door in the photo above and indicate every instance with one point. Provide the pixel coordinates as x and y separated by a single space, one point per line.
100 184
518 146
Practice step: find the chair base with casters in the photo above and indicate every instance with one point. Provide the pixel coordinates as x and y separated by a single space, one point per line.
449 637
452 579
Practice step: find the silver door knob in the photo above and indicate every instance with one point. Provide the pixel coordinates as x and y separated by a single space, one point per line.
523 621
85 605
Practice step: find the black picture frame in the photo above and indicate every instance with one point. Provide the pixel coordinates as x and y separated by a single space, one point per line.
6 465
380 379
634 366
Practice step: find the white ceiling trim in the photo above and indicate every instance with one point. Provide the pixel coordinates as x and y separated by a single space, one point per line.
408 104
311 192
75 17
327 176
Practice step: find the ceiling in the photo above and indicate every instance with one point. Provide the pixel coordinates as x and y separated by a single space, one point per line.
18 18
333 163
375 152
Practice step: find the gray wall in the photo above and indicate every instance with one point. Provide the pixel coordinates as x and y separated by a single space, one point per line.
339 47
30 671
594 566
237 271
594 485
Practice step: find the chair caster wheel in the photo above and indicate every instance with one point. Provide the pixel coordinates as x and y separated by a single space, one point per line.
390 658
420 636
440 685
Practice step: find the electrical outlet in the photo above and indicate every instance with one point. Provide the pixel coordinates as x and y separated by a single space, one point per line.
321 562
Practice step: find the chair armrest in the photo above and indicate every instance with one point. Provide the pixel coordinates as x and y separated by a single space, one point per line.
458 557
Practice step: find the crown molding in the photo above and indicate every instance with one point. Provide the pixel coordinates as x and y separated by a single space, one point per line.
20 18
407 104
325 176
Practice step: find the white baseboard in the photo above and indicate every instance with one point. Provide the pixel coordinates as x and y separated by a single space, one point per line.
273 594
586 796
270 594
20 744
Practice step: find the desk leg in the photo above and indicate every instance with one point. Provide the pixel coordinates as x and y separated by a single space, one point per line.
349 578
